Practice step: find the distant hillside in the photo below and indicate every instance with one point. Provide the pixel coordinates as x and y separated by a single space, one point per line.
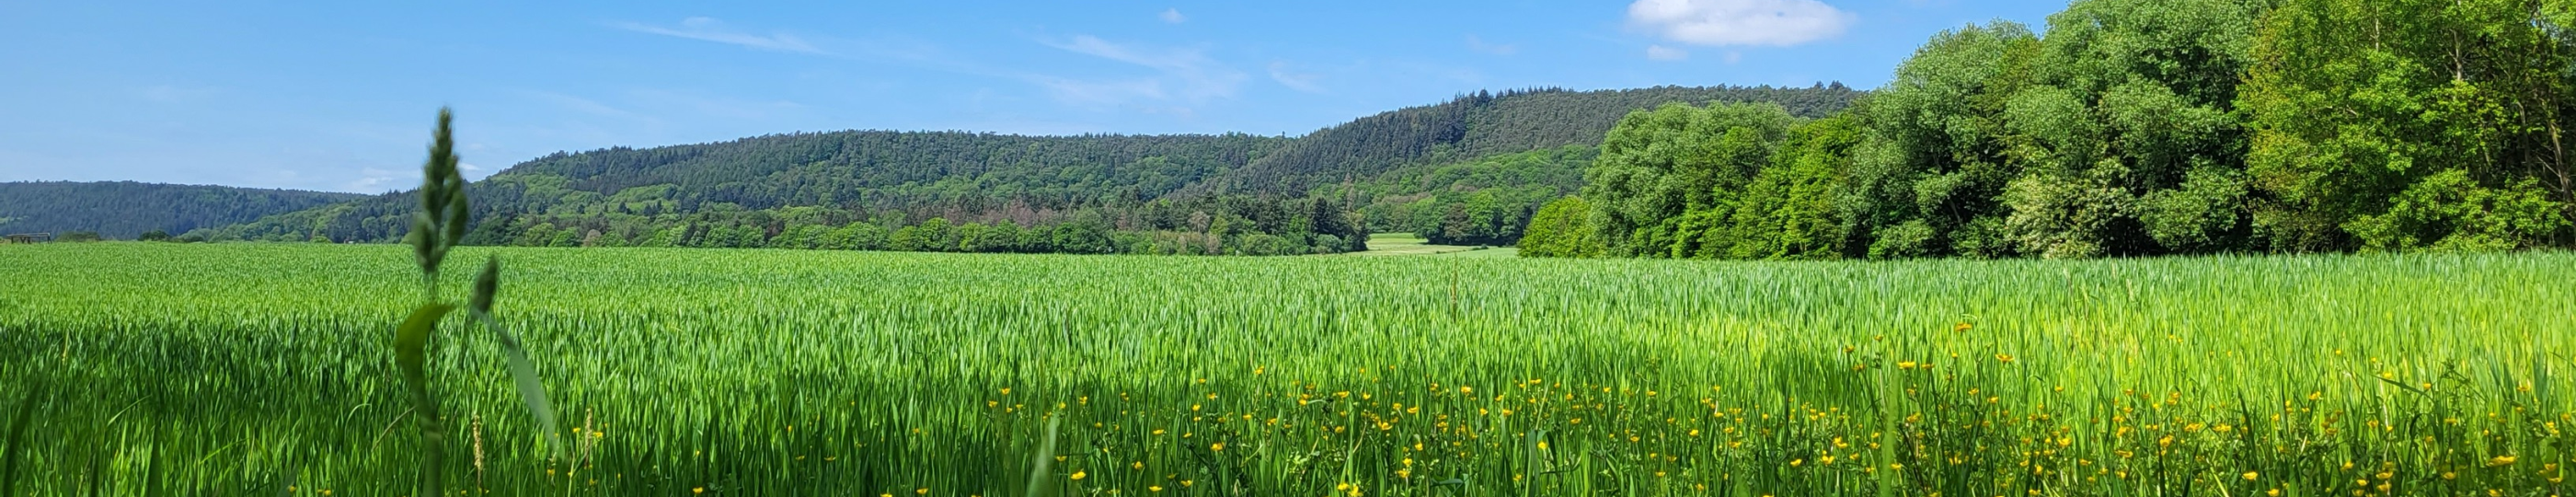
1421 167
1485 201
856 171
126 209
1484 124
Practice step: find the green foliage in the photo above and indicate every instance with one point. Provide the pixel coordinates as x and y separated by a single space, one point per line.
1789 211
1659 167
2115 134
2449 211
1930 178
800 179
1469 171
1486 201
2363 126
1483 125
2411 124
1562 228
126 210
1741 181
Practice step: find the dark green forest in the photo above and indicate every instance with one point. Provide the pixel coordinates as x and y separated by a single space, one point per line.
1485 124
1484 201
2128 128
1467 171
128 210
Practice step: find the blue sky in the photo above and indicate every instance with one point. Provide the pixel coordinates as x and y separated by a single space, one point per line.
340 95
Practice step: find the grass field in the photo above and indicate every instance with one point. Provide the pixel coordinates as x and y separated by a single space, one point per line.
1403 244
241 369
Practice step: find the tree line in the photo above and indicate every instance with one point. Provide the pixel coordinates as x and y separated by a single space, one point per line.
2130 128
1480 125
127 210
1148 194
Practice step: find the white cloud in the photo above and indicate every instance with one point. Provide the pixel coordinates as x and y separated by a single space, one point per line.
1193 76
369 180
710 29
1114 92
1739 22
1280 72
1174 16
1478 44
1660 52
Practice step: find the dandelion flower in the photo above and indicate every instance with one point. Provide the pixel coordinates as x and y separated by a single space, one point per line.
2251 476
2500 461
1077 475
1216 447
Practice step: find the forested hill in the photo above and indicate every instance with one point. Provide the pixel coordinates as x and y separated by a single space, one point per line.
1209 186
1486 124
126 209
855 173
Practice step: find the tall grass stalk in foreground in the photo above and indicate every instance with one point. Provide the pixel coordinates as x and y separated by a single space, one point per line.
434 231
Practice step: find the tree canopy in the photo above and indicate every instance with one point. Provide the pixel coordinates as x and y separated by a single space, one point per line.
2135 127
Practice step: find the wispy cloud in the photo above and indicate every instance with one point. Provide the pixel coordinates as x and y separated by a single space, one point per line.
1112 92
1280 72
1190 74
713 106
1739 22
1479 44
1660 52
710 29
583 105
370 180
1174 16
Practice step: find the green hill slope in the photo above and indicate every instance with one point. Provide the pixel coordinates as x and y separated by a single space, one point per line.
126 209
1163 194
1481 125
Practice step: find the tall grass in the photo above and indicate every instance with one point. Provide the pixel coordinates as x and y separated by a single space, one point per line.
694 372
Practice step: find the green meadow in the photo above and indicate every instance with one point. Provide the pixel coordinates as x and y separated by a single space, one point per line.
238 369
